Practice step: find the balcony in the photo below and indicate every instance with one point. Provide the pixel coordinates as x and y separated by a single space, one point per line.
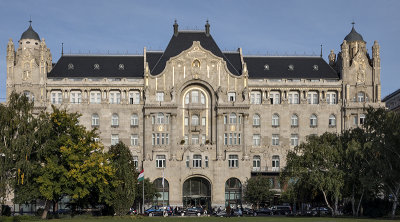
265 169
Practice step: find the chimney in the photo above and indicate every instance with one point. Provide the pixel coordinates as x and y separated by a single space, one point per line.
175 28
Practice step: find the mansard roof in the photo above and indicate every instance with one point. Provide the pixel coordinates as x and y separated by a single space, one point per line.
289 67
82 66
184 40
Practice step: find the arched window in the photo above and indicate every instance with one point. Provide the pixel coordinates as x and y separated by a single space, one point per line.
195 120
95 119
232 118
160 118
114 120
332 120
233 192
256 120
134 120
162 188
294 120
275 163
275 120
360 97
256 163
313 120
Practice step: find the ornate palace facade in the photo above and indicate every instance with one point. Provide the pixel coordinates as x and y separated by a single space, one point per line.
205 119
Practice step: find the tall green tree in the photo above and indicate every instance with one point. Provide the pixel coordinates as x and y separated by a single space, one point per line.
257 190
70 162
17 142
123 194
316 163
383 150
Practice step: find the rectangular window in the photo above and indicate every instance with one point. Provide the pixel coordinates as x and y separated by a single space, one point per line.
195 139
256 140
203 139
331 98
294 140
56 97
293 98
114 139
312 98
160 97
275 139
136 162
203 121
196 161
195 96
115 97
134 97
231 96
187 161
95 97
186 121
275 97
225 139
134 140
160 161
75 97
233 161
255 97
206 161
186 139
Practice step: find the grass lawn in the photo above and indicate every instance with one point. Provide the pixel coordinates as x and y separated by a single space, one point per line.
211 219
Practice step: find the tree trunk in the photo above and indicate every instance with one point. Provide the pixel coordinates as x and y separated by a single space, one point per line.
46 209
336 204
353 203
395 200
327 203
359 203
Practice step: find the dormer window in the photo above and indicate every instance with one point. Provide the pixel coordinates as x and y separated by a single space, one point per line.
266 67
196 63
121 67
315 67
96 66
291 67
70 66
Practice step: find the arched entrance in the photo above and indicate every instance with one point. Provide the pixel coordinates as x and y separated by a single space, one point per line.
163 191
196 192
233 192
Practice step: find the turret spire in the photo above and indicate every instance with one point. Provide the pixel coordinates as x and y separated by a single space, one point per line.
175 28
207 28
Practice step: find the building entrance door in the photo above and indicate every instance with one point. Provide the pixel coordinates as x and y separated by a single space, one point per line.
197 193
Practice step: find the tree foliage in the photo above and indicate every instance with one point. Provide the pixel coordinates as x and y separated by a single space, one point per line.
125 180
258 190
316 163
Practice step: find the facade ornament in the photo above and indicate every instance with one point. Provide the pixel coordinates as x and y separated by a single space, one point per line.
332 58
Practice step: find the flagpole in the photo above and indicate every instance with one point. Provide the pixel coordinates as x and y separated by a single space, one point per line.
143 198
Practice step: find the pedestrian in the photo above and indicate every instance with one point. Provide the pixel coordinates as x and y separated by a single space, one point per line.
228 211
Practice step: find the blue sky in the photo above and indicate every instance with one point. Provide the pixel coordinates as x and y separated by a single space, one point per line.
259 27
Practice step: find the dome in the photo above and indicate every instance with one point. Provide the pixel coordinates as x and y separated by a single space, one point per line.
353 36
30 34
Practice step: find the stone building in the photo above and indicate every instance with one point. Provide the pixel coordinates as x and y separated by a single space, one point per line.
392 101
204 119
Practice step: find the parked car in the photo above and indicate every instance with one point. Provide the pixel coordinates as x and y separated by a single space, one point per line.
158 211
222 213
319 211
262 211
281 210
198 211
248 211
